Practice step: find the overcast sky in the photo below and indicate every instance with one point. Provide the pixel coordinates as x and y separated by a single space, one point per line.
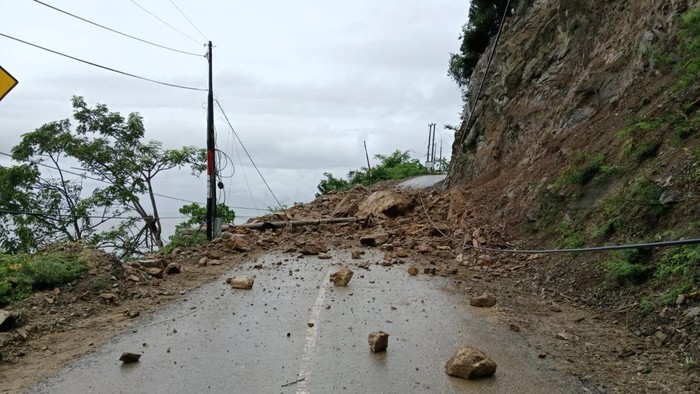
304 82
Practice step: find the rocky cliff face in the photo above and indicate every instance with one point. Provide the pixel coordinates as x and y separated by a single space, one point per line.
565 77
579 106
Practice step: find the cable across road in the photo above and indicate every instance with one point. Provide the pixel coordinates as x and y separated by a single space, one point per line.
162 21
248 154
116 31
83 176
103 67
647 245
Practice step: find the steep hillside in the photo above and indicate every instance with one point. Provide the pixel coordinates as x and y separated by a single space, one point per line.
587 128
586 134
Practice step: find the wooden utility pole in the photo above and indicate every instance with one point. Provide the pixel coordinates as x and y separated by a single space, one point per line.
211 156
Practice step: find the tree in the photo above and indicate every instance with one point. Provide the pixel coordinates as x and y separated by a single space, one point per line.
110 149
198 214
397 165
484 22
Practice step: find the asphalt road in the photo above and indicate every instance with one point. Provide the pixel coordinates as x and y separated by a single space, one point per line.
222 340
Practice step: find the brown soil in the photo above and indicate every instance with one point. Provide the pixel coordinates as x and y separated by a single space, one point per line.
570 314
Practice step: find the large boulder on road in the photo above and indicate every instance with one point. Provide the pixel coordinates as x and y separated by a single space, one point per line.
385 202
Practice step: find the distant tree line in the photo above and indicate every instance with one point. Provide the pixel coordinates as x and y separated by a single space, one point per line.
398 165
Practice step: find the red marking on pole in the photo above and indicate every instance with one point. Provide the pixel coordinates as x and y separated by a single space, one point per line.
210 162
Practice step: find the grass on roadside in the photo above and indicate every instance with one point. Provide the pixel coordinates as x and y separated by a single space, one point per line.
22 274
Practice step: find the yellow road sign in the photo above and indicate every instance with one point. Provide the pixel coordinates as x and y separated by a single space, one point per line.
7 82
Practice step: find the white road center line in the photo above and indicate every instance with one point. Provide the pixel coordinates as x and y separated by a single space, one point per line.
311 334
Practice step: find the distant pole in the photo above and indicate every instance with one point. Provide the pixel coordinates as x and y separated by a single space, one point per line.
427 156
369 167
211 157
433 154
441 169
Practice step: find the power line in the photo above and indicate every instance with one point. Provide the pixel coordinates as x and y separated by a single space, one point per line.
488 66
188 20
103 67
648 245
248 154
103 181
162 21
67 215
116 31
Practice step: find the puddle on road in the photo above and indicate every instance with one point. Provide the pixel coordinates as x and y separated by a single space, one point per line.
242 341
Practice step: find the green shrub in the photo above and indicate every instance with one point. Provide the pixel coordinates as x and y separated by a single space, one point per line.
689 36
628 267
681 261
398 165
21 274
588 167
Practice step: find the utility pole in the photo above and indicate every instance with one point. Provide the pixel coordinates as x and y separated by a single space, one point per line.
441 169
211 157
369 167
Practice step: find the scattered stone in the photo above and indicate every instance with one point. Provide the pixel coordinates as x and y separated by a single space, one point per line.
375 239
342 276
347 206
133 278
401 253
356 254
156 273
542 355
324 256
151 263
237 244
310 324
22 333
514 327
134 314
176 252
387 247
485 300
564 336
128 358
172 268
108 296
203 262
245 282
313 248
470 363
7 320
214 254
429 270
378 341
680 300
692 312
413 271
215 262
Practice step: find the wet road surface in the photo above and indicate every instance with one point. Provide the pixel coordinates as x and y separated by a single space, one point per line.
221 340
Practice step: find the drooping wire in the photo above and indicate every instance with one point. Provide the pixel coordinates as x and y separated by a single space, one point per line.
116 31
68 215
648 245
488 66
162 21
83 176
189 20
103 67
248 154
